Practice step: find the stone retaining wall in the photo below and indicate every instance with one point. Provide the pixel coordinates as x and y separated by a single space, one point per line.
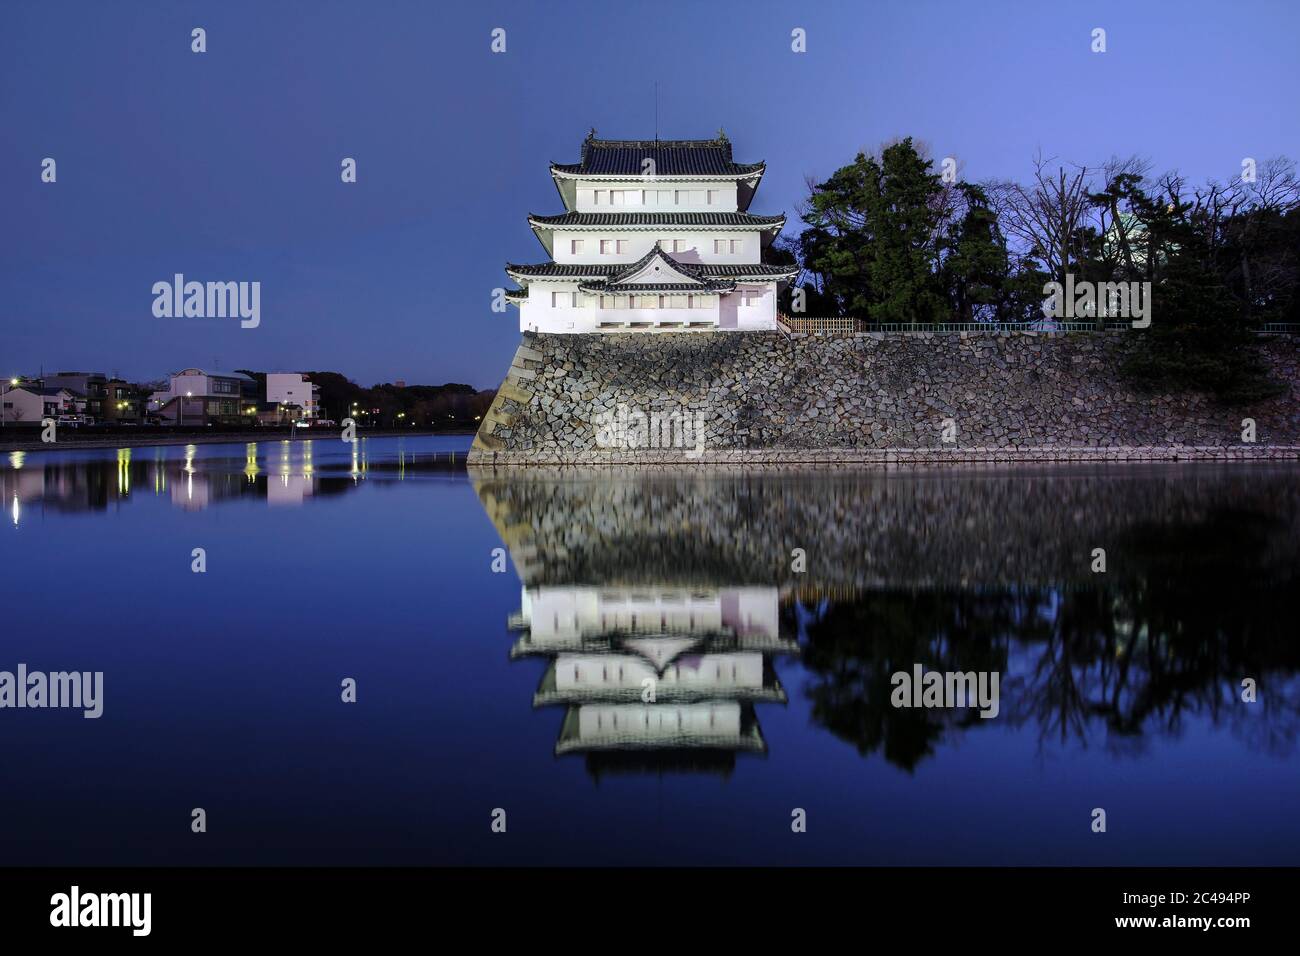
870 398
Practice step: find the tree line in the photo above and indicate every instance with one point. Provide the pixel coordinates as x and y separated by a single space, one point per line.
386 405
890 239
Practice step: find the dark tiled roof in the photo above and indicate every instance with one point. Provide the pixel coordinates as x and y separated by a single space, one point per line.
694 278
658 219
639 288
558 270
758 269
700 277
517 293
672 157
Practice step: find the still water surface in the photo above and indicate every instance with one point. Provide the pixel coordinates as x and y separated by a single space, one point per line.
522 690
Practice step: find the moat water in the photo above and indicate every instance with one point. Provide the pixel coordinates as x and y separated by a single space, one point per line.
504 629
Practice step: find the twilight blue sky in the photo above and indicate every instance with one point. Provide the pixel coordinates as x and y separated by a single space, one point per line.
225 165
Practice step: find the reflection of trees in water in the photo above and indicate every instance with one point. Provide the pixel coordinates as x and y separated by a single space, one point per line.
969 570
853 648
1171 634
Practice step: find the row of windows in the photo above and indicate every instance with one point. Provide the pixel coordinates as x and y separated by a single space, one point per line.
574 300
661 324
611 247
663 719
690 675
656 197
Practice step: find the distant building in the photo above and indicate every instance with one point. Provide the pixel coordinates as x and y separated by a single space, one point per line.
279 413
123 401
196 397
90 389
294 388
31 403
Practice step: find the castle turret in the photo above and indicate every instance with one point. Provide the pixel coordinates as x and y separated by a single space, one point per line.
656 236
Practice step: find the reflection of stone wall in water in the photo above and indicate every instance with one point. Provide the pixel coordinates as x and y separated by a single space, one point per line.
969 527
765 396
969 570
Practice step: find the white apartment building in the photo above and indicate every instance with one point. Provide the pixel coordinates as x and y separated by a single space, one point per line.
294 388
197 397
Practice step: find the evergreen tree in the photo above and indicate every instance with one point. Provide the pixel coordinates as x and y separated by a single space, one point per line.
1200 338
874 229
976 270
903 217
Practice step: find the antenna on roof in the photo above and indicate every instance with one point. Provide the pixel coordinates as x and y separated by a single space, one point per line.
656 111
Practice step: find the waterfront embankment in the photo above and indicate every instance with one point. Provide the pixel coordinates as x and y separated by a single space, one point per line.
868 399
69 440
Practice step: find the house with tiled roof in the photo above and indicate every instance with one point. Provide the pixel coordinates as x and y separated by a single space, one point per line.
29 403
656 236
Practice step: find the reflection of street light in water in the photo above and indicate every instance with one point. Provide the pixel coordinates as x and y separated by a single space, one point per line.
124 471
190 450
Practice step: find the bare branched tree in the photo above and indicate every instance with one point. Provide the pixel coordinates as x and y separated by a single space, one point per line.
1237 217
1045 217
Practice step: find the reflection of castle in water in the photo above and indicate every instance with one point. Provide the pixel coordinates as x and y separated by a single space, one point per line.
655 678
968 570
277 472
